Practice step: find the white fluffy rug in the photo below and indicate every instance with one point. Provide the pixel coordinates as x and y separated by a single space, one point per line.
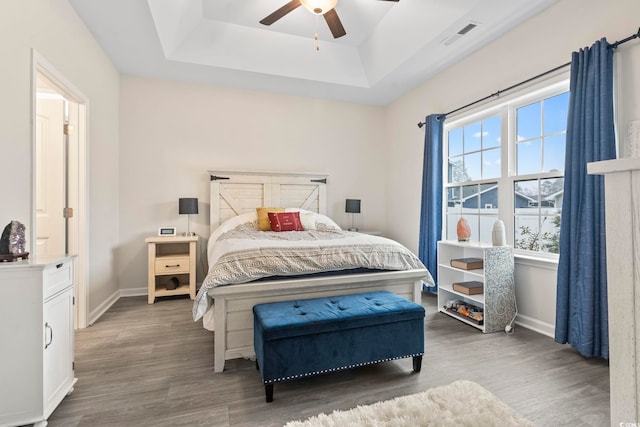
459 404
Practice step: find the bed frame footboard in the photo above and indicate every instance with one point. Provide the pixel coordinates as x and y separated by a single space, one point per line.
233 316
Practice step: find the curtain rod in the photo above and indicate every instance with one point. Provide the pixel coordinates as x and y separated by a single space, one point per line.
498 93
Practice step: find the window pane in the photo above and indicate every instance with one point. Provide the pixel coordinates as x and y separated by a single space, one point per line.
526 196
555 113
491 132
472 166
455 142
457 172
489 198
529 155
470 197
472 219
528 121
534 233
537 211
551 192
554 149
527 233
550 237
454 203
486 227
472 136
452 231
491 163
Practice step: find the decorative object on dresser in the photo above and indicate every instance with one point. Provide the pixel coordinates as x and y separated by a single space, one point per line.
13 242
498 235
497 303
171 259
188 206
36 331
463 230
352 206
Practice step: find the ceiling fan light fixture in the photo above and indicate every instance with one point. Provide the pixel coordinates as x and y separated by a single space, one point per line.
319 7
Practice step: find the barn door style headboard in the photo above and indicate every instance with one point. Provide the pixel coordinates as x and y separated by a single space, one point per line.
235 193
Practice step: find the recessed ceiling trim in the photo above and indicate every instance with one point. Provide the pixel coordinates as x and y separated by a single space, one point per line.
390 48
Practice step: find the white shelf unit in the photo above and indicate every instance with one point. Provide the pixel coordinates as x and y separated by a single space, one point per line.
498 298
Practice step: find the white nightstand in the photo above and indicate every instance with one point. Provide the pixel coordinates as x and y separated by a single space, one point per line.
171 258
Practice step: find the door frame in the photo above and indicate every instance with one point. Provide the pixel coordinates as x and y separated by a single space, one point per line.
39 65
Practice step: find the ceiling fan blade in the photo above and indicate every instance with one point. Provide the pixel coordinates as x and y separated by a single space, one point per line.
292 5
390 0
333 21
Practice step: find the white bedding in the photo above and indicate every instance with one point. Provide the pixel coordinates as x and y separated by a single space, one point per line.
239 253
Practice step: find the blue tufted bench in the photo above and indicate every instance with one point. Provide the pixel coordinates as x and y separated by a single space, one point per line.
294 339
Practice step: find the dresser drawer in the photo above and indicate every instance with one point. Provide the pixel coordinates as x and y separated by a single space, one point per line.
172 264
57 277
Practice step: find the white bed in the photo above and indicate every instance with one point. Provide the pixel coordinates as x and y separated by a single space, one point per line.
237 195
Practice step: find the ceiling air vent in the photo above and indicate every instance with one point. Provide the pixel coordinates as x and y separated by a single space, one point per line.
463 31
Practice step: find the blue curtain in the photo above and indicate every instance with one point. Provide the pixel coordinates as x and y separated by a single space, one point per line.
581 311
431 207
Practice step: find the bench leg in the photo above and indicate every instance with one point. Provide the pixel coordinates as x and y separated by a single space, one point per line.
268 391
417 363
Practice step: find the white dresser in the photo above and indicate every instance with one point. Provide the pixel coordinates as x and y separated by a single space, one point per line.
36 338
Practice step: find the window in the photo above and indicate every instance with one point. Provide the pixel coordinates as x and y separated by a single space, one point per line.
506 162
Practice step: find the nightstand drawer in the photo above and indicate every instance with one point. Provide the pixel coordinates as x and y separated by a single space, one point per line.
172 264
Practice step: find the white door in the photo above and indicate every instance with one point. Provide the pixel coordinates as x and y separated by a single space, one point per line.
50 177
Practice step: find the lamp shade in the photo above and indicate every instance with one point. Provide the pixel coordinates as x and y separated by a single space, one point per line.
352 206
188 205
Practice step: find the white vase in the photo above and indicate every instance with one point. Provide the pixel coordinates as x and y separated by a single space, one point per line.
498 234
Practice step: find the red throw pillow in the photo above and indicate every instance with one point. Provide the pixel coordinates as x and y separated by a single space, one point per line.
285 221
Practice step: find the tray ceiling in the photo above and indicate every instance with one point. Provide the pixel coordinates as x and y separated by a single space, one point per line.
389 49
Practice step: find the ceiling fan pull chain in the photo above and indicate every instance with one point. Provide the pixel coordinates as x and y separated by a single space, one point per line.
316 34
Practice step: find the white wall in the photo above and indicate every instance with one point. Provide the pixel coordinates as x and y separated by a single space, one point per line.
540 44
171 133
54 30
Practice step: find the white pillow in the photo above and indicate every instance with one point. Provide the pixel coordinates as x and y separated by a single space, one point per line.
310 220
232 223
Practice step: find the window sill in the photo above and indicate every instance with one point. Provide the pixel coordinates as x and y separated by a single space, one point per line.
536 261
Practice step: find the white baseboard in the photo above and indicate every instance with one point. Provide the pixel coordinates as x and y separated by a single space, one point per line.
536 325
108 303
134 292
102 308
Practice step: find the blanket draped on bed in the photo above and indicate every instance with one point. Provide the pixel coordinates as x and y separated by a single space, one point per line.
244 254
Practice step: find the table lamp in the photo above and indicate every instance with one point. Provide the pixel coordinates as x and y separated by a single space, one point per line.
188 206
352 207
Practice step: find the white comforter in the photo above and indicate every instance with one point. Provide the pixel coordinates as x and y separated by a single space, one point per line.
238 253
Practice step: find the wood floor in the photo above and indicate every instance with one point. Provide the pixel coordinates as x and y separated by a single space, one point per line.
151 365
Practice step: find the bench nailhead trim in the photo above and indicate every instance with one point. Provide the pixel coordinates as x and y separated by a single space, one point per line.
307 374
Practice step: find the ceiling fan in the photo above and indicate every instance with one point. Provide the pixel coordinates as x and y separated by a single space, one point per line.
325 8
